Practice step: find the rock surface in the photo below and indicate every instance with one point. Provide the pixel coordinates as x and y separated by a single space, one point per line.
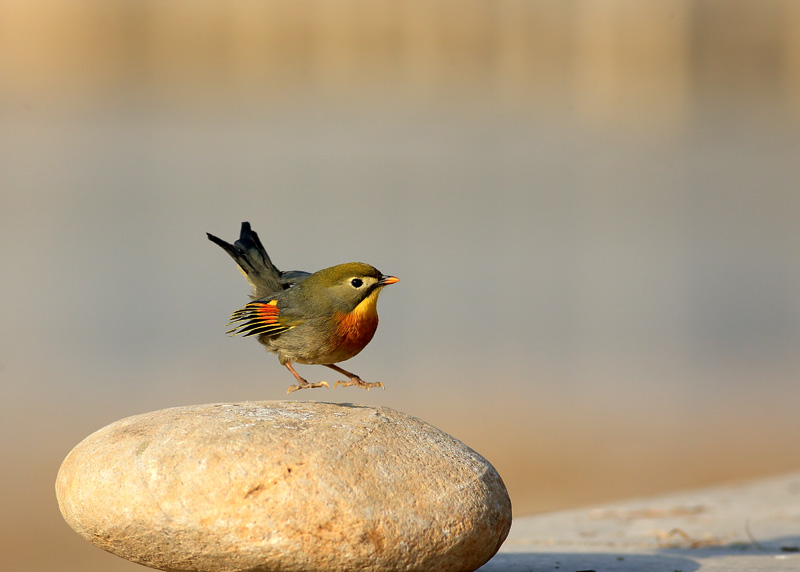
284 486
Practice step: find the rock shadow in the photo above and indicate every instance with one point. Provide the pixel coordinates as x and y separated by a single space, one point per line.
574 561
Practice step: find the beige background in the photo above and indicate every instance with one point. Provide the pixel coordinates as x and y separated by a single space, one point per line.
593 208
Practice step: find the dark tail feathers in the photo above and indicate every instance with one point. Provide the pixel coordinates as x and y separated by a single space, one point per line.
254 262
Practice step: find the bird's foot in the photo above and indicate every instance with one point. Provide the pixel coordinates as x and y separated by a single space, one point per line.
303 384
355 380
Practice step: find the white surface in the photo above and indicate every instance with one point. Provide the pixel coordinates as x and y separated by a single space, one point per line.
736 527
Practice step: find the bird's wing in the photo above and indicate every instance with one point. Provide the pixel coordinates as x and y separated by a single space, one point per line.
261 317
293 277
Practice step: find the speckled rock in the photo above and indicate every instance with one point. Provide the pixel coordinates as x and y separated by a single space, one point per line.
284 486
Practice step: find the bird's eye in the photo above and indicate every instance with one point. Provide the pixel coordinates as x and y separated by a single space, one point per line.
356 282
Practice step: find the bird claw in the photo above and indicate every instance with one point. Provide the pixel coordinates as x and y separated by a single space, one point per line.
306 385
360 383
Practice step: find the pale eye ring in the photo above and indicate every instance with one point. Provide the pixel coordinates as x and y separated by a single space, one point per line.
356 282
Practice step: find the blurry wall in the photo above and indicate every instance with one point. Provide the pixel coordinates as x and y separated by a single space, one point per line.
593 208
643 64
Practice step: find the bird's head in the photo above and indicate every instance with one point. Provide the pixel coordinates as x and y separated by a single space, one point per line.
346 287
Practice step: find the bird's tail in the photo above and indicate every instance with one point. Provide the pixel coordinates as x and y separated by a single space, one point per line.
253 261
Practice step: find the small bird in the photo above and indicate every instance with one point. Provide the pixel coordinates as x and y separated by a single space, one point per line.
322 318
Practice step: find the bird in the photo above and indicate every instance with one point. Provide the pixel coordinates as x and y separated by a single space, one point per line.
322 318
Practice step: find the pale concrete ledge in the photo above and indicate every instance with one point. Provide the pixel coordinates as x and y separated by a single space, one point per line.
747 526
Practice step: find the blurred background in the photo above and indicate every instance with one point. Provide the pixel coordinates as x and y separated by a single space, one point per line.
593 208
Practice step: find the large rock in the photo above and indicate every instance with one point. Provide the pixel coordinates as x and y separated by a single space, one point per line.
284 486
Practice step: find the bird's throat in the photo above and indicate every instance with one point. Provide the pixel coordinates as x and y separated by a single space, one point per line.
357 327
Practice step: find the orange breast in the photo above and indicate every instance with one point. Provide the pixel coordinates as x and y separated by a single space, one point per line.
355 331
356 328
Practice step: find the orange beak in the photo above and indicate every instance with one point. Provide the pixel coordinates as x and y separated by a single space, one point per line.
388 280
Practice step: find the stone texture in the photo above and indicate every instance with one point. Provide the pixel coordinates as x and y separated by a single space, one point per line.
284 486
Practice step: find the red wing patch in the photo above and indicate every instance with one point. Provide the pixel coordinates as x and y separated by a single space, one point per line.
256 318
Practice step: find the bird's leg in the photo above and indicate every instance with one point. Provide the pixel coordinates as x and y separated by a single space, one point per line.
301 383
354 379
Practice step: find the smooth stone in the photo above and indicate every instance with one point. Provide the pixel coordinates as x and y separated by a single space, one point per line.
284 486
